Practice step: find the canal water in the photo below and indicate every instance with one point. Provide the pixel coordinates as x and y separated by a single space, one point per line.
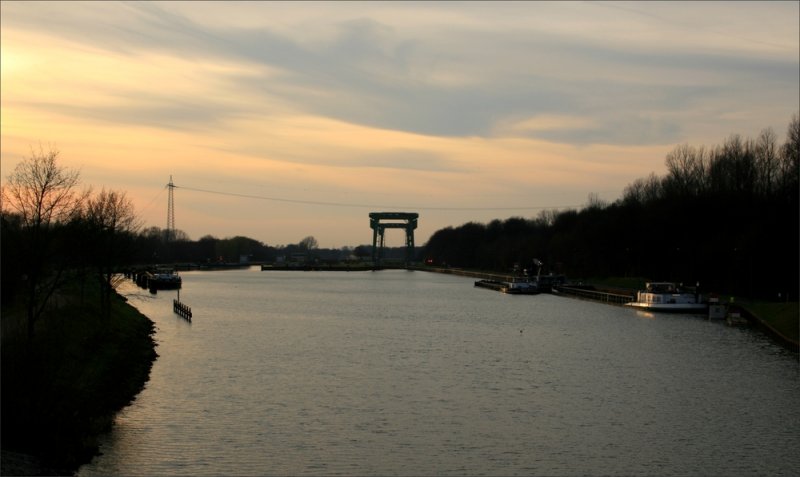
414 373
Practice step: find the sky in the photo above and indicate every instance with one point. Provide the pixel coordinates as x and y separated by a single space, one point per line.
282 120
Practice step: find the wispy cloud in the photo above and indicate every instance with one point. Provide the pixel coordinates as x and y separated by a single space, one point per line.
377 74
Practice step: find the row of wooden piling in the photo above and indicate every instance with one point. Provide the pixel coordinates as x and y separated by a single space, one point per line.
182 310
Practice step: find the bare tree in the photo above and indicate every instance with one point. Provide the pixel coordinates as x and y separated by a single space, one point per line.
41 192
308 243
686 166
547 217
593 201
790 160
766 155
643 190
43 195
111 224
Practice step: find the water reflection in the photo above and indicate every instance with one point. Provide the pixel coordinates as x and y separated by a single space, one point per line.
398 373
646 315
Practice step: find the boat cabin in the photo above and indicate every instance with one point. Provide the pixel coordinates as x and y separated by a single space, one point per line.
666 296
666 293
661 287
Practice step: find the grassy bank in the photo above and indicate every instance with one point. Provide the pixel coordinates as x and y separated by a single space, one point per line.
782 318
61 391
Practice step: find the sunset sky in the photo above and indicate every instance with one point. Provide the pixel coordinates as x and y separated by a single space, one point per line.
282 120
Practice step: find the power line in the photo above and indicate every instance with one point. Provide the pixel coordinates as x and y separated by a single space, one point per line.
365 206
153 201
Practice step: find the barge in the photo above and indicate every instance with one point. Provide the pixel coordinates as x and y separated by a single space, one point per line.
515 286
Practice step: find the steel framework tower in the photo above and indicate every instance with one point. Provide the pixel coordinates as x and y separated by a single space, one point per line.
400 220
170 211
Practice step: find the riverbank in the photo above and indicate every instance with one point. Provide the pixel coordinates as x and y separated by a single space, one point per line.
60 392
780 320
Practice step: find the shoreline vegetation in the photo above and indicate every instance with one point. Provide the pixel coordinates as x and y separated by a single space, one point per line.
62 390
780 320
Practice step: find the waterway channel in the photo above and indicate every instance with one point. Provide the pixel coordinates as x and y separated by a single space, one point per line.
413 373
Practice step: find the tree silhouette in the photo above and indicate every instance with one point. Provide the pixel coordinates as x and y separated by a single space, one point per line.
43 196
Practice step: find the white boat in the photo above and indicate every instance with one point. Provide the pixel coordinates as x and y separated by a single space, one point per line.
666 296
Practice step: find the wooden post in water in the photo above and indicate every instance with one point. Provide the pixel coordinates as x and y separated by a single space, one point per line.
181 309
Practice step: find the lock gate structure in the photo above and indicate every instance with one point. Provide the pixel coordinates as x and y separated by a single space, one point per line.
395 220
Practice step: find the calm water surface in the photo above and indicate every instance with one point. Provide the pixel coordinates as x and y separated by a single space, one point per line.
414 373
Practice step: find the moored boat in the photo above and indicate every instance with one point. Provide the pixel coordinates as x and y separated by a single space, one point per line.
667 296
515 286
164 280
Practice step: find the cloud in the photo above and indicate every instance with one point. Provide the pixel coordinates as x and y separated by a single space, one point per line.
408 159
460 80
161 113
431 105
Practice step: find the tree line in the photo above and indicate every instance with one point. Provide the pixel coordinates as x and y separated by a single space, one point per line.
57 235
725 216
54 233
152 247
